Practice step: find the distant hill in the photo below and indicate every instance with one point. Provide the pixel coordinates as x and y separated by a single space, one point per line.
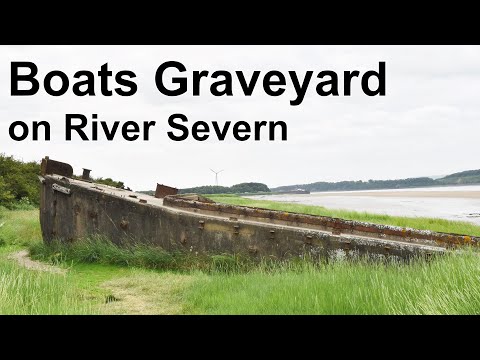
435 177
464 177
469 177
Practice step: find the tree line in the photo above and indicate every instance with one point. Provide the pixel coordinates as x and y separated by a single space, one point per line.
251 187
460 178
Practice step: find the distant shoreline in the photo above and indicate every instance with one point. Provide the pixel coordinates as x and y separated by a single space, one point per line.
464 178
400 192
468 192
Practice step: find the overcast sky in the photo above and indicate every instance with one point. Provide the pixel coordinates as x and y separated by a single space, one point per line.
427 124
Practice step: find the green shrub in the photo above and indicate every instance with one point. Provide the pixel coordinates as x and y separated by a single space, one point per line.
18 180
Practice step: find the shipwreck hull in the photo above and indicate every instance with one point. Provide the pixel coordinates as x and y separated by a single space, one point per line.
73 209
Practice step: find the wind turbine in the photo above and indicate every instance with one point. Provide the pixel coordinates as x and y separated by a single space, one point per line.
216 175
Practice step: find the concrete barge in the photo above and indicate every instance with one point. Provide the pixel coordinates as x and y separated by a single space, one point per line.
73 208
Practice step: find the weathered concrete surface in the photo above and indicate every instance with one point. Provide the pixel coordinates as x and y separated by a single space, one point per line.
78 209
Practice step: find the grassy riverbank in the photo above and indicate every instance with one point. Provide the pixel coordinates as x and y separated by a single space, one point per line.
105 279
423 223
444 286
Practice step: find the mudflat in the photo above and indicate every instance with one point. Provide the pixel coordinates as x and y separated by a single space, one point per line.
460 203
465 194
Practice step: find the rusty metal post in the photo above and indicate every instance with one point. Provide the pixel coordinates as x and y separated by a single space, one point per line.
86 174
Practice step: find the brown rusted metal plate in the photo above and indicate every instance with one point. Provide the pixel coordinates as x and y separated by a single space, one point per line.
50 166
163 190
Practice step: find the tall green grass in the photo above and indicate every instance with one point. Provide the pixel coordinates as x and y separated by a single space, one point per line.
19 227
423 223
100 250
27 292
448 285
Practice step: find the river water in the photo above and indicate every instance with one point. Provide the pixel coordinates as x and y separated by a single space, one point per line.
452 202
